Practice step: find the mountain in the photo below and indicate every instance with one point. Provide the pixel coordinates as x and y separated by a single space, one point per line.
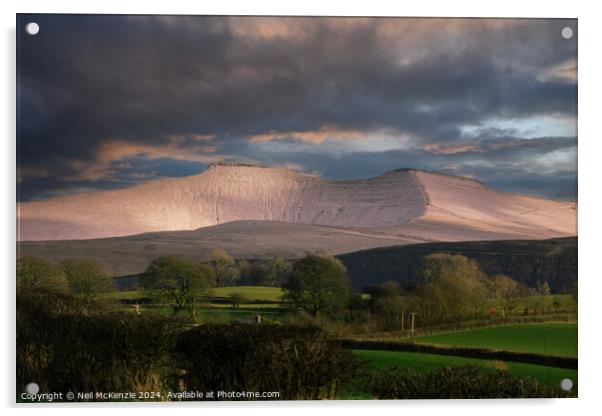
257 212
405 204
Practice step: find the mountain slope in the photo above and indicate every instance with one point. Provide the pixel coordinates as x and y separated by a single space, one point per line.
417 205
528 261
246 240
242 239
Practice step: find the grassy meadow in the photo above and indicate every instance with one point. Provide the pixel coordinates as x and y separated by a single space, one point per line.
540 338
256 293
257 300
252 293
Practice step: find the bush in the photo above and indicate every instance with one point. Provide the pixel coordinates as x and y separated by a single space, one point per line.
300 362
34 273
87 279
63 350
236 299
451 383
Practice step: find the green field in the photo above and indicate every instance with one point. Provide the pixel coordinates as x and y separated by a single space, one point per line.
253 293
124 295
269 308
548 338
212 314
264 293
425 362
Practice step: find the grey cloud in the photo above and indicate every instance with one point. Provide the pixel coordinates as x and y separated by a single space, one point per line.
85 80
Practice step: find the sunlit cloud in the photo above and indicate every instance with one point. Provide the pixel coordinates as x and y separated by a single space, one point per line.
118 149
565 70
443 149
112 157
24 172
313 136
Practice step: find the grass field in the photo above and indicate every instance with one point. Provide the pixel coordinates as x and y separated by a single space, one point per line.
565 303
264 293
548 338
271 308
253 293
425 362
124 295
211 314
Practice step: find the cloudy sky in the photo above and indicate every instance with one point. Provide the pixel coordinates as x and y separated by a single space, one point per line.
109 101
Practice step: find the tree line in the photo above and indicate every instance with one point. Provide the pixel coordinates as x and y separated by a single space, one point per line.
447 288
85 279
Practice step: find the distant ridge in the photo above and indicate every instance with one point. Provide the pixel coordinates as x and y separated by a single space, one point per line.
416 204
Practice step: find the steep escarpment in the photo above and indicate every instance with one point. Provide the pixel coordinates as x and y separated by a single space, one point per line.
221 194
403 204
465 202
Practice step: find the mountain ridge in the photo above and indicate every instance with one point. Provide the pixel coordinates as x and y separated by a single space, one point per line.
226 193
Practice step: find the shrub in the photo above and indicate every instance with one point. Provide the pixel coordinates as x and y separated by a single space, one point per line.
87 279
451 383
38 274
300 362
63 350
236 299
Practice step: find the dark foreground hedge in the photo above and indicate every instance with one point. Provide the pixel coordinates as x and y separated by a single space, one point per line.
451 383
299 362
64 348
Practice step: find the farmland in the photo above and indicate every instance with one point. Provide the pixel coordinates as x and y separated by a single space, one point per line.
548 339
256 300
523 349
541 338
255 293
258 293
545 339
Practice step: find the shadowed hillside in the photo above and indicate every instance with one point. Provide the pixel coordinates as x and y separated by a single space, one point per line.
528 261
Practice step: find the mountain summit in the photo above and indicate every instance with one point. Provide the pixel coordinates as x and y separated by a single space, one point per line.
419 204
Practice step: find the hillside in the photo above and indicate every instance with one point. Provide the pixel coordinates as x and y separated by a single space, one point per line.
406 204
243 239
528 261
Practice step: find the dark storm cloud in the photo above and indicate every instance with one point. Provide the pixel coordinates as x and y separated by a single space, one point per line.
110 100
